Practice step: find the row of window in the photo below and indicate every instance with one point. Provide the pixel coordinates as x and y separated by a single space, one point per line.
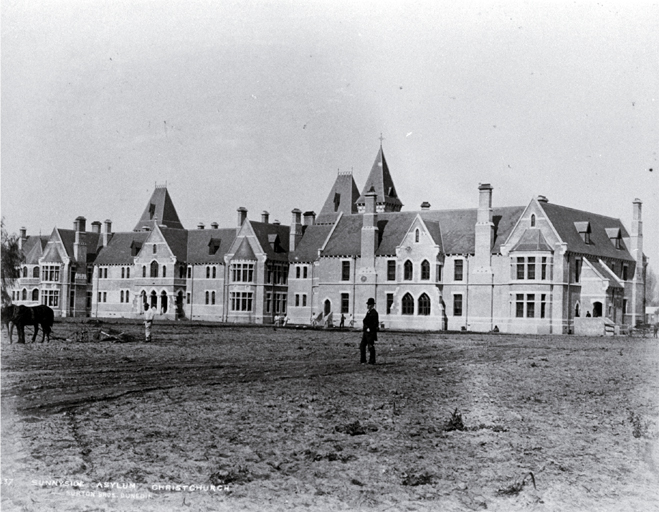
408 270
526 306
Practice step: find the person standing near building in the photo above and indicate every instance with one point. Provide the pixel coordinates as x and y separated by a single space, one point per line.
369 332
149 315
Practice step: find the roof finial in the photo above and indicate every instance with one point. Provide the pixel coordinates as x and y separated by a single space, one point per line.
381 139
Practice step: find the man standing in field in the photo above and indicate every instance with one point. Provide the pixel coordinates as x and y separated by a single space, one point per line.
149 315
369 333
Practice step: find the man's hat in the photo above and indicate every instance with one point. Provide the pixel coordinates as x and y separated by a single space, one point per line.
370 302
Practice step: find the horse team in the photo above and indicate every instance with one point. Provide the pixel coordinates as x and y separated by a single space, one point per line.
20 316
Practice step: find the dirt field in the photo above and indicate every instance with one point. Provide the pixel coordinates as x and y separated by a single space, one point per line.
264 419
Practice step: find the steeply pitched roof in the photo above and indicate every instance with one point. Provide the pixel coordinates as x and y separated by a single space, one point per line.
452 230
565 219
262 230
177 240
119 250
68 236
209 245
381 181
33 248
314 237
342 198
159 210
245 251
532 240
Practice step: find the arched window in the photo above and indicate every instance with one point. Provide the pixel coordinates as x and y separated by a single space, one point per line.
128 273
143 295
35 294
207 297
425 270
408 304
24 294
144 271
35 272
424 305
123 274
208 274
164 271
576 310
122 296
407 270
154 269
155 249
416 236
212 297
163 302
297 272
214 275
533 220
154 299
24 271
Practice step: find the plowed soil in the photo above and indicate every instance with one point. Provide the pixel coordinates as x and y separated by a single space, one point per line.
253 418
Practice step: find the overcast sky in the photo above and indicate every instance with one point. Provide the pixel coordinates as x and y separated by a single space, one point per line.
258 104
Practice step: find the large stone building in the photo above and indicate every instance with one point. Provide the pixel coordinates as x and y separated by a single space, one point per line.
535 268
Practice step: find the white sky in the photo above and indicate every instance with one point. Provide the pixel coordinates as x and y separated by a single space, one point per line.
257 104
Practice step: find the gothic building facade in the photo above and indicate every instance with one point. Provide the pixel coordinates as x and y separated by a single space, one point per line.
535 268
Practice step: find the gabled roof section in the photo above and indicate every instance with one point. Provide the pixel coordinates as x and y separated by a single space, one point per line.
604 273
532 240
245 251
381 181
263 230
33 249
313 239
342 198
200 242
177 240
452 230
159 211
566 219
122 248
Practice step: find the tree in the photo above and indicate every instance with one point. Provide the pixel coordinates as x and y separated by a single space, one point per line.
12 258
651 287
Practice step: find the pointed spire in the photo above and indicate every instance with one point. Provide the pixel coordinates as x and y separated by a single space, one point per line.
159 211
380 180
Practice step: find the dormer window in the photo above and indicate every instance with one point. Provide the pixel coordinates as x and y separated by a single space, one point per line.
584 231
213 246
615 236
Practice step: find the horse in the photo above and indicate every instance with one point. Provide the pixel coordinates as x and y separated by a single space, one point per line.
35 316
8 319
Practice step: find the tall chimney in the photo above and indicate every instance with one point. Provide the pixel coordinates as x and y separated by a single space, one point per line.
96 227
107 232
242 216
265 217
484 230
369 239
295 230
23 237
638 289
80 243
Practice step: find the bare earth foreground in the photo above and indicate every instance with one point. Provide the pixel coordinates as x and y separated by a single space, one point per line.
261 419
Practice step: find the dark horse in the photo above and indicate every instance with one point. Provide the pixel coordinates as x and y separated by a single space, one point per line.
8 319
37 316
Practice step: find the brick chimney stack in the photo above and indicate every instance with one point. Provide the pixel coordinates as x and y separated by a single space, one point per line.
80 243
107 232
22 238
295 231
484 229
636 250
242 217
